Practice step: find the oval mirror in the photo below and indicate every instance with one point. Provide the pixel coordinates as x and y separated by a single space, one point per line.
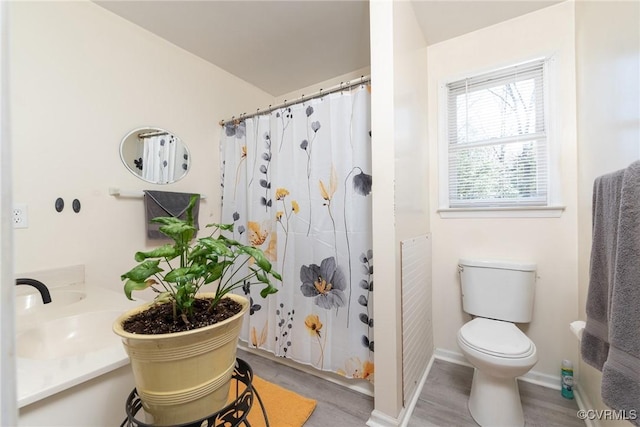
155 155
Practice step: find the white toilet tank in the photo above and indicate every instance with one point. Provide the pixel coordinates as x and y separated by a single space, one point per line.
498 290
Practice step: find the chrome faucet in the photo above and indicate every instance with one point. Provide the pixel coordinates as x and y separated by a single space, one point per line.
44 291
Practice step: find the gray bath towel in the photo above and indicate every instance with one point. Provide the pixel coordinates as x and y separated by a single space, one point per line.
166 203
621 373
606 210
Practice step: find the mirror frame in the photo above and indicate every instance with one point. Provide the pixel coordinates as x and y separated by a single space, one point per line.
132 138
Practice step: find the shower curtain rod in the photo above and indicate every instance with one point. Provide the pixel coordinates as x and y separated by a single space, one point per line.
322 92
151 134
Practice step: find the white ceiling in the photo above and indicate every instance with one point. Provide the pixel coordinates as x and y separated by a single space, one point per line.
282 46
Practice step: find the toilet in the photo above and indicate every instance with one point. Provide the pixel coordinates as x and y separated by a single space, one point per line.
498 294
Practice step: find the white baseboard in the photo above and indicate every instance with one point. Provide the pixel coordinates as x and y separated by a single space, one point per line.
584 404
451 356
380 419
538 378
408 409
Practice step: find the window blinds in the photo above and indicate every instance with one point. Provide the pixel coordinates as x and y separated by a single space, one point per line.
497 139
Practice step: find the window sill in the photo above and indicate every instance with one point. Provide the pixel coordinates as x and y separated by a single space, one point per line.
515 212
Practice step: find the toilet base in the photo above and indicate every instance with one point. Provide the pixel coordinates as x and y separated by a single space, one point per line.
495 402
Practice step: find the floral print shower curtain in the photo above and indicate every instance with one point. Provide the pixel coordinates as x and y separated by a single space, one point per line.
297 184
163 158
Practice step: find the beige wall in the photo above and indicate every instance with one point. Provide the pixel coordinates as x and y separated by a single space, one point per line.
352 77
410 154
8 412
81 79
607 66
410 133
549 242
387 357
400 196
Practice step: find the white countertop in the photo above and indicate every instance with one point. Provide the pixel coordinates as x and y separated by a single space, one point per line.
42 377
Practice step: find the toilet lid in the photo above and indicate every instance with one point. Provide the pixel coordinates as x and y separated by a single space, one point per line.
495 337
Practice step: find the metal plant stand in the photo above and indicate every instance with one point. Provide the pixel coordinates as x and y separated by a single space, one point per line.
234 414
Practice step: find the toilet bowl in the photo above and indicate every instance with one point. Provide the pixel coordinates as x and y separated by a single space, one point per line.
500 353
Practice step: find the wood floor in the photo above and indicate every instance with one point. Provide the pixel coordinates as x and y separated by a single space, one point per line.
442 402
337 406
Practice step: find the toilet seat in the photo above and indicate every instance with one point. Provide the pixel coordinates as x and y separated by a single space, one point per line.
496 338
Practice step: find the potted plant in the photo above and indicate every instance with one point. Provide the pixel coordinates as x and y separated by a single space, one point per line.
182 346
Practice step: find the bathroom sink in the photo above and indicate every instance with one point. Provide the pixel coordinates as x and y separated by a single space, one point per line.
31 302
68 336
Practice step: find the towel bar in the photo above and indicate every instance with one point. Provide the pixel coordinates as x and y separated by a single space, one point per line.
116 192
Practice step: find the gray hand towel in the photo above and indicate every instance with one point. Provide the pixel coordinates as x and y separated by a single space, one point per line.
166 203
606 210
621 373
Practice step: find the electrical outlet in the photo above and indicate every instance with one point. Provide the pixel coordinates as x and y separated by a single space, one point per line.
20 216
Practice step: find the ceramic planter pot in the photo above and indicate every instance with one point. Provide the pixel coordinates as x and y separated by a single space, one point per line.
183 377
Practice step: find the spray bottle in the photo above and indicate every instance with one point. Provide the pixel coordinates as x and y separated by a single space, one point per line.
567 379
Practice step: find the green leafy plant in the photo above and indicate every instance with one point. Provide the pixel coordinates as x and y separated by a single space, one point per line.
192 265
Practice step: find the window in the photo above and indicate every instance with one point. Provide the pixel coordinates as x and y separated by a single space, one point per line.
497 139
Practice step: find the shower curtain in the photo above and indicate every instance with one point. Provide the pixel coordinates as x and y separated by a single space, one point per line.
297 183
163 158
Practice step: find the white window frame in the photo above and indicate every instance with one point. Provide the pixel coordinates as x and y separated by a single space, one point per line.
554 207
